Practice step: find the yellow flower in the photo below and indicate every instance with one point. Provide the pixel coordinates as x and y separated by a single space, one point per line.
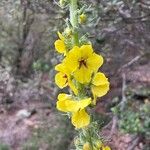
82 61
63 79
86 146
82 18
66 103
60 44
100 85
79 118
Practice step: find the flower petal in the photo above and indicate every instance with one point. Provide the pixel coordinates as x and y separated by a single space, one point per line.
70 105
101 90
99 79
63 96
60 46
94 62
61 80
71 60
86 51
83 75
80 119
62 68
84 103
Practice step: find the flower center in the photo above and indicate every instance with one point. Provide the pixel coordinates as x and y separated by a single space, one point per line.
82 62
65 76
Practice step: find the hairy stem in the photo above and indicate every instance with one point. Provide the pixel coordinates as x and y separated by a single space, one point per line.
74 21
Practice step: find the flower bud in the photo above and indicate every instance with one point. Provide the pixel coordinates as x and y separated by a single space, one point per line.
68 32
98 144
76 141
86 146
106 148
62 2
82 18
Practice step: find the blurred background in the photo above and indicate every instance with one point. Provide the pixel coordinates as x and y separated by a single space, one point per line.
119 31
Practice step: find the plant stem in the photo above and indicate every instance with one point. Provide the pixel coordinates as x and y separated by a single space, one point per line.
91 143
74 21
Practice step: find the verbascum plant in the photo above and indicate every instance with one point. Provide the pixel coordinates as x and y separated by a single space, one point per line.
78 71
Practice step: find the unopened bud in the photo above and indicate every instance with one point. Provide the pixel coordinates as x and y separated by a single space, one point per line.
76 141
86 146
82 18
98 144
62 2
107 148
68 31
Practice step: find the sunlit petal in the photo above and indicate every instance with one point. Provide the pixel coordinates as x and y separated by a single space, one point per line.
70 105
83 75
80 119
60 46
86 51
99 79
101 90
94 62
71 61
61 80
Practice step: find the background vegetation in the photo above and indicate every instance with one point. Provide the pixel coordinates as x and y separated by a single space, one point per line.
119 30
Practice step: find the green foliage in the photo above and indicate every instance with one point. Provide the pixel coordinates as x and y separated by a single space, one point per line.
31 146
4 147
27 32
102 119
134 117
41 65
130 122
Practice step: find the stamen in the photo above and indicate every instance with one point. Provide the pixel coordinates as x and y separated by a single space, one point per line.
82 62
65 76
